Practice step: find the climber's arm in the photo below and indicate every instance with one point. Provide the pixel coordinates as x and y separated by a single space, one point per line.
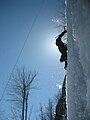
62 33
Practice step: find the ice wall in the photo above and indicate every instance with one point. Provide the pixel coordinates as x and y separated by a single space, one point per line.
78 72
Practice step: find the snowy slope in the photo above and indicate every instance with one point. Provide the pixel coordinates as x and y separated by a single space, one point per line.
78 73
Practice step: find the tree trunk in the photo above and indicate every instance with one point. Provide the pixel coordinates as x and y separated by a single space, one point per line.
26 107
23 104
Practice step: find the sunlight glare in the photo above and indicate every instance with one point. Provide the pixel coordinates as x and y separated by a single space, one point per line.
53 46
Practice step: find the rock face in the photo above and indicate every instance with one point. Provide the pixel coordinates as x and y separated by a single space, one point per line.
61 110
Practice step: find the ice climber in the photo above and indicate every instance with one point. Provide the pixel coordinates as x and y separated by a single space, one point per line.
62 48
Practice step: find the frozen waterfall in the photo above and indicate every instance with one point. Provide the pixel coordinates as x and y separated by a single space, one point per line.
78 72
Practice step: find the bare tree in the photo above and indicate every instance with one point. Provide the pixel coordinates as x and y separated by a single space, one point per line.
60 18
50 111
42 113
20 88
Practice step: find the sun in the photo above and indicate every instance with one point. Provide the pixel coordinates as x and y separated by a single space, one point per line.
51 50
53 46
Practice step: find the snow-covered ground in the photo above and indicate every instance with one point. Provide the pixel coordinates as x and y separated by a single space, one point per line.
78 72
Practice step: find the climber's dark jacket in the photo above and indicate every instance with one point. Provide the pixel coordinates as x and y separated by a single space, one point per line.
62 48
